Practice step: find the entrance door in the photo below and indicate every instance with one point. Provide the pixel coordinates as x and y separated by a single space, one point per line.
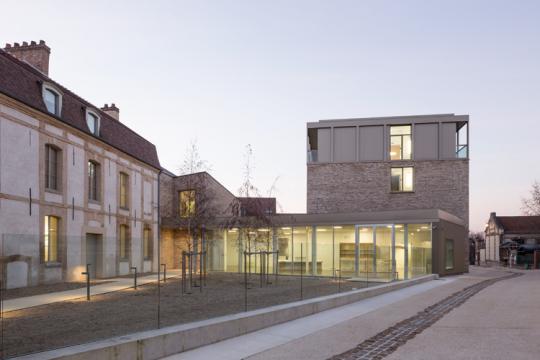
92 254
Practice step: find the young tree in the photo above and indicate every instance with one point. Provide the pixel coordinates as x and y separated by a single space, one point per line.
250 213
531 205
196 203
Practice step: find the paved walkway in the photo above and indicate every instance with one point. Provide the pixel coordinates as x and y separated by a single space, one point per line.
335 331
114 284
500 322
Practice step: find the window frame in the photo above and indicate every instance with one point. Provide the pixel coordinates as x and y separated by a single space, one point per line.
97 125
147 243
123 192
58 104
401 137
124 242
446 257
402 179
56 175
188 211
94 182
47 253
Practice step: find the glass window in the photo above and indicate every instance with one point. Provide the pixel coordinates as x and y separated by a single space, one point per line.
92 121
52 173
285 247
325 251
50 243
462 140
93 181
383 252
419 249
400 142
302 250
147 243
400 251
402 179
124 190
344 239
52 101
365 251
449 254
187 203
123 242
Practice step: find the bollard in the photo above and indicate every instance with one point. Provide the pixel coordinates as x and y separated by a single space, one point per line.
245 282
134 276
164 272
301 271
87 273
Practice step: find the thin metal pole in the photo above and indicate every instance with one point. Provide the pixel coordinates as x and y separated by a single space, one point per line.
301 271
200 271
87 273
134 277
245 282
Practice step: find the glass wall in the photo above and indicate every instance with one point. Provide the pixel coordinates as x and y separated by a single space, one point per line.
345 248
375 252
419 249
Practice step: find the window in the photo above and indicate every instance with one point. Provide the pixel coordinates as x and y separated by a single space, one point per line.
93 181
401 179
187 203
147 243
449 254
124 190
52 168
53 100
462 140
123 242
50 243
92 121
400 142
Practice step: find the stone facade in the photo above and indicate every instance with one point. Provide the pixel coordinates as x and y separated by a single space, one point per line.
365 186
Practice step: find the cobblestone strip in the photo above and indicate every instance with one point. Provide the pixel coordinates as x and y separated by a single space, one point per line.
387 341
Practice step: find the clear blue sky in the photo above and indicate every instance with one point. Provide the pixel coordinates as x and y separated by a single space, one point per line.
228 73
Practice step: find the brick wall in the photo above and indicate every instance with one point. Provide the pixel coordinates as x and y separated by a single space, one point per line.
355 187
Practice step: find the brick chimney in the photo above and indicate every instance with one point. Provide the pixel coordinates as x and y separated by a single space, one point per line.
112 111
34 54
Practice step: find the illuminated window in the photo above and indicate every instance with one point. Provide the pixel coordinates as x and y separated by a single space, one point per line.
401 179
123 242
147 243
50 243
52 167
400 142
187 203
449 254
93 181
124 190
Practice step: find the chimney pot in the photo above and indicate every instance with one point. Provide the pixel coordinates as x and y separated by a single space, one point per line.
35 54
112 111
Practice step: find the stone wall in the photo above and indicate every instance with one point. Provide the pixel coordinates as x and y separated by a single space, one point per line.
365 186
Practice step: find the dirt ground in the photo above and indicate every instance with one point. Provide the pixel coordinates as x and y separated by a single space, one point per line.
123 312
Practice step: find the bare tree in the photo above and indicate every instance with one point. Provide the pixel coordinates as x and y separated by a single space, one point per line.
196 206
531 205
250 212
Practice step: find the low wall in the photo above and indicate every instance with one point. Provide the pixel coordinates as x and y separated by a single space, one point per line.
155 344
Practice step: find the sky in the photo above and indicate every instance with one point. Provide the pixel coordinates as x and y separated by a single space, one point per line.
230 73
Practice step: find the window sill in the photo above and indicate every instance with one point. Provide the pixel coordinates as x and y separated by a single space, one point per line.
95 202
53 191
402 192
52 264
124 260
123 208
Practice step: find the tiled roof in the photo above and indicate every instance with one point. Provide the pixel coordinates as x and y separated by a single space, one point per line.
22 82
520 224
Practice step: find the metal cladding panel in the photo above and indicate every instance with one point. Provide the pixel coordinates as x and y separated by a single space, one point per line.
448 140
371 143
344 144
426 142
324 144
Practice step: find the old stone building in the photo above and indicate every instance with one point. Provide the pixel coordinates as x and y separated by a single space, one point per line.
77 186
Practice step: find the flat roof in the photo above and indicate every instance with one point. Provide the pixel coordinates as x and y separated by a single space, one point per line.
407 119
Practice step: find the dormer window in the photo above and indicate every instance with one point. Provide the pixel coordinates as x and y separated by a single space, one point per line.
92 121
52 99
